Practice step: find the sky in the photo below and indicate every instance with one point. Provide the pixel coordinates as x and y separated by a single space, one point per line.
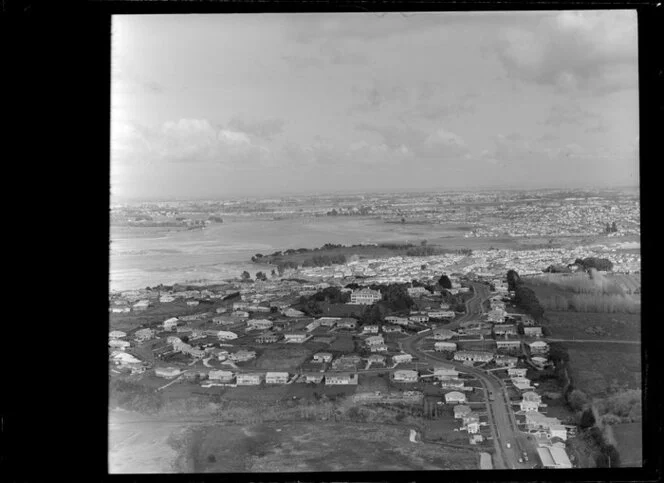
218 105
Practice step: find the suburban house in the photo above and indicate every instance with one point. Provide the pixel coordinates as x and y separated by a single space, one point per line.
441 314
267 338
142 335
292 313
365 297
376 359
167 372
403 321
313 378
517 371
120 310
222 310
445 346
295 337
378 348
322 357
116 334
452 384
405 375
417 291
421 318
472 423
248 379
443 334
226 335
505 360
390 329
532 396
539 361
225 320
241 313
526 406
461 411
164 299
521 383
535 420
340 379
346 362
242 355
532 331
192 303
170 323
221 376
259 324
513 344
402 358
328 321
554 457
473 356
558 431
313 325
444 373
370 329
504 329
455 397
374 340
276 378
539 347
141 305
118 344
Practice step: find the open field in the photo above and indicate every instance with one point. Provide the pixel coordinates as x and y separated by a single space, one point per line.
595 368
590 325
628 438
306 447
283 357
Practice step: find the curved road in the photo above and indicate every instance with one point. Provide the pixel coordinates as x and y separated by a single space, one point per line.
501 417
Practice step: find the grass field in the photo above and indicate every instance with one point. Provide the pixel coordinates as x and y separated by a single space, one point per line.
306 447
628 436
283 357
590 325
343 343
595 368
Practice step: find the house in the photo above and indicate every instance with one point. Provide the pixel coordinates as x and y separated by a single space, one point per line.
322 357
420 318
182 329
313 325
472 423
554 457
391 329
505 360
402 358
376 359
473 356
405 375
116 334
221 376
141 305
226 335
452 384
347 323
403 321
443 334
539 347
441 314
242 355
532 331
346 362
118 344
378 348
517 371
313 378
329 321
295 337
241 313
535 420
521 383
455 397
504 329
445 374
164 299
171 323
461 411
276 378
526 406
445 346
370 329
196 353
509 345
259 324
340 379
539 361
225 320
374 340
240 305
365 297
142 335
417 291
292 313
192 303
167 372
532 396
222 310
120 310
558 431
248 379
267 338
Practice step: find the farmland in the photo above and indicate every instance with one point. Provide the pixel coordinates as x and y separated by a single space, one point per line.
596 368
307 446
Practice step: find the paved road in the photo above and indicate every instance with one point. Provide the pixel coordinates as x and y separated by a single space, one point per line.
501 418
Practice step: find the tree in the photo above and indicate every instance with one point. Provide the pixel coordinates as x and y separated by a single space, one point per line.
261 276
614 227
587 419
513 280
273 273
577 399
246 275
445 282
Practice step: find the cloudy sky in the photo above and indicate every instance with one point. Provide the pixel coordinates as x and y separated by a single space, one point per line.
222 105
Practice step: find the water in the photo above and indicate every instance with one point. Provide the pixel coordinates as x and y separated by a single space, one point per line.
224 251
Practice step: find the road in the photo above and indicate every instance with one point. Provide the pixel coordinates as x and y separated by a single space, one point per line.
501 417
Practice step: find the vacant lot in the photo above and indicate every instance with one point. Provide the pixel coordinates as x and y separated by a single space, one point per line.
590 325
283 357
306 447
343 343
596 367
628 436
341 310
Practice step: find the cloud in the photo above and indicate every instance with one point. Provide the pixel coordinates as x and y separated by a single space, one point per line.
588 50
266 129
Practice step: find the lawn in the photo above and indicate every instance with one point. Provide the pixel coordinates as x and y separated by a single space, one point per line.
306 447
628 436
283 357
343 343
595 367
592 325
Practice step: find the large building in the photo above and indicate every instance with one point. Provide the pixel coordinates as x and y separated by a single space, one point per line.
554 457
365 296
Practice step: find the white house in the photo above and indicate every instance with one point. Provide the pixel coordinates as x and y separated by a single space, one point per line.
169 324
508 344
417 291
402 358
374 340
365 297
328 321
248 379
276 378
532 331
295 337
554 457
461 411
455 397
517 371
313 325
405 375
421 318
142 335
167 372
322 357
118 344
221 376
370 329
444 373
116 334
445 346
259 324
340 379
226 335
192 303
141 305
473 356
403 321
526 406
505 360
443 334
558 431
539 347
242 355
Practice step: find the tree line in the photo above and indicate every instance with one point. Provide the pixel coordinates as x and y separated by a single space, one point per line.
524 297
